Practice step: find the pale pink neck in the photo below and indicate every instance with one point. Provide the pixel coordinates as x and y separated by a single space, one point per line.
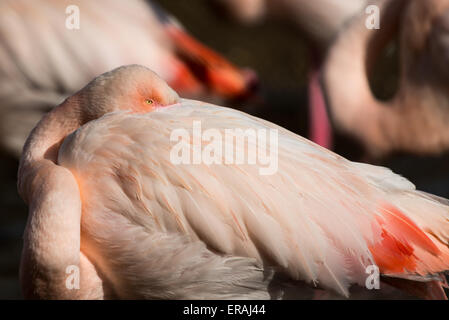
52 240
41 147
354 108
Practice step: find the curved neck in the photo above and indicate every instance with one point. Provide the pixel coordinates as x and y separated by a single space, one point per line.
345 78
52 238
53 127
41 147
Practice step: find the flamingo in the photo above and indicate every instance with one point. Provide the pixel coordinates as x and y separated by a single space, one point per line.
106 197
415 119
47 61
321 21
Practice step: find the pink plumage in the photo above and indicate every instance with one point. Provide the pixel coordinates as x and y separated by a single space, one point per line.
108 197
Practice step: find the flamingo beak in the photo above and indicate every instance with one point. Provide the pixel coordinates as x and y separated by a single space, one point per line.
214 71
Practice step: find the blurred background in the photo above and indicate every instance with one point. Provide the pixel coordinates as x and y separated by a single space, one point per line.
281 57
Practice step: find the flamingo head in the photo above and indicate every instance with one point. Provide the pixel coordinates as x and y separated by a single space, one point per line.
132 87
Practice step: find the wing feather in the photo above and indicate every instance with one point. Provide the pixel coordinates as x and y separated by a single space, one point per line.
318 217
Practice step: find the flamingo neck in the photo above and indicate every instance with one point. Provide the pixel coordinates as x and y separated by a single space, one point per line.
41 147
345 79
52 238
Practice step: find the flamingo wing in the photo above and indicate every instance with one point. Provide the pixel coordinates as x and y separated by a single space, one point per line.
319 218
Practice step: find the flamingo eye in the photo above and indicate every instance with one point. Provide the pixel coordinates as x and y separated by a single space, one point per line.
149 101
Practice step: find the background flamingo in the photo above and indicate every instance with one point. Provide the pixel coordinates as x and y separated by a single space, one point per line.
108 198
320 21
415 119
46 62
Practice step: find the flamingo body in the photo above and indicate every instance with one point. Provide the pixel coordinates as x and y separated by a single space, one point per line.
320 218
154 229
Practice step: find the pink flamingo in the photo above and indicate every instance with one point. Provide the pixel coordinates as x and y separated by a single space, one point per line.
105 196
415 119
46 61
